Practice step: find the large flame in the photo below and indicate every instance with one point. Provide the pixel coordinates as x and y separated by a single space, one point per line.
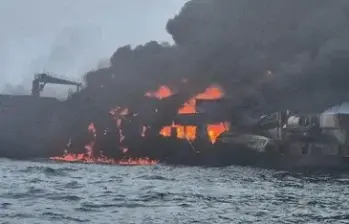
189 107
182 132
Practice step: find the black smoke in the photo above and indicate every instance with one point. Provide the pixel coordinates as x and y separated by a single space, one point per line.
303 43
268 55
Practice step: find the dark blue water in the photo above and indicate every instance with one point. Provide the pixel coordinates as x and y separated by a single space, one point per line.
47 192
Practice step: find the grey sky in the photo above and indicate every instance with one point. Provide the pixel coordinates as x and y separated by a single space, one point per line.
69 37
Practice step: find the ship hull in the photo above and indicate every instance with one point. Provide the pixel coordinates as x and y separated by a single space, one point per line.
245 156
202 153
182 152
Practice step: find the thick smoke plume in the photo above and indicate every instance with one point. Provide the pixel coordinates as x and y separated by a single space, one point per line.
268 55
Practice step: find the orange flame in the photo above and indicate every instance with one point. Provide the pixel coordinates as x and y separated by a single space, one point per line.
88 156
161 93
182 132
214 130
189 132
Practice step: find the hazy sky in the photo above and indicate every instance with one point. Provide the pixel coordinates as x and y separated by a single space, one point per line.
68 37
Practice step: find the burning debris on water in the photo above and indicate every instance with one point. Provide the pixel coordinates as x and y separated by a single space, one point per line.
88 156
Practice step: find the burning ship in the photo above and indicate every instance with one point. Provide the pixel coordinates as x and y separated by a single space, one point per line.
203 131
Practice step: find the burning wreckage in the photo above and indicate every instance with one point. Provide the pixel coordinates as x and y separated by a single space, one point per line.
202 132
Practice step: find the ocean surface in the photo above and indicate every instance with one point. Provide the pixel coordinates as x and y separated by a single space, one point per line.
51 192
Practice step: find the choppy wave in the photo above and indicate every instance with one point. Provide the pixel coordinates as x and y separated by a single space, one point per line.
38 192
47 170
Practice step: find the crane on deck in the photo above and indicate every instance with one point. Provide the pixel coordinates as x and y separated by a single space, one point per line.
42 79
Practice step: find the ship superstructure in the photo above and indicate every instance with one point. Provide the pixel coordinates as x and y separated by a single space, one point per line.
292 140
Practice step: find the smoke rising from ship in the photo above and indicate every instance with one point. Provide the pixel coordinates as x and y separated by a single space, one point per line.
265 54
